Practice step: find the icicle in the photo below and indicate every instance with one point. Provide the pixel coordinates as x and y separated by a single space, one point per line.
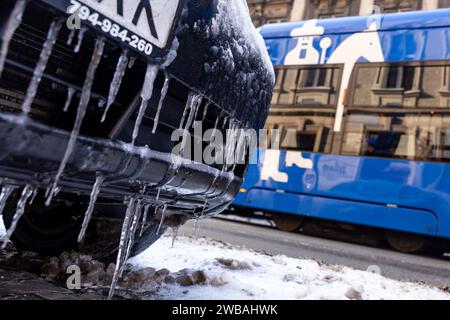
33 196
132 232
4 195
11 26
197 108
47 49
157 194
146 95
71 36
116 82
196 225
205 111
213 133
225 120
20 210
122 245
174 235
132 61
88 215
144 219
186 109
81 112
80 39
70 92
193 104
163 215
161 101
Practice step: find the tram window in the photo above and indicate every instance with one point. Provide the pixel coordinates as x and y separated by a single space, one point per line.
401 85
307 86
422 136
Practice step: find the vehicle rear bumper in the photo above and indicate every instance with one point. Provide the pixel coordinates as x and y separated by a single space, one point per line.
30 153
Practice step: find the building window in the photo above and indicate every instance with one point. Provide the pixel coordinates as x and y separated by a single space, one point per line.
391 6
407 117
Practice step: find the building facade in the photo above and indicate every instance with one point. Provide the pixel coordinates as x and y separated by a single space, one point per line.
274 11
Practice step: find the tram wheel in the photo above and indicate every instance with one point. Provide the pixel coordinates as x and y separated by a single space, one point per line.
287 222
405 242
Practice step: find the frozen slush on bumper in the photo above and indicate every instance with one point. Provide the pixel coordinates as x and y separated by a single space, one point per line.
90 94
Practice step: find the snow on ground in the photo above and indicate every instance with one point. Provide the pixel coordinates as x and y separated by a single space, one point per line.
240 273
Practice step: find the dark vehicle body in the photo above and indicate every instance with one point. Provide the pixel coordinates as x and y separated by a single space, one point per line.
234 86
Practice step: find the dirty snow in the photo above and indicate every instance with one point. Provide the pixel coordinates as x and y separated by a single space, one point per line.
201 268
246 274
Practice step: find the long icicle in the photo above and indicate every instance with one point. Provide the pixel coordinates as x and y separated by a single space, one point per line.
144 219
122 245
15 19
88 215
4 196
81 112
146 95
163 216
26 193
121 68
46 51
132 233
161 101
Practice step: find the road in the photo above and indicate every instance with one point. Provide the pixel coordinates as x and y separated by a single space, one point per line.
430 270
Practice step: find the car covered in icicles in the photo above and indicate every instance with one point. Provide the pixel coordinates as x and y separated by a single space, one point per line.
90 94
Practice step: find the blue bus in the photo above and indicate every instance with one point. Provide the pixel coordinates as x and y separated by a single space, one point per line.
362 105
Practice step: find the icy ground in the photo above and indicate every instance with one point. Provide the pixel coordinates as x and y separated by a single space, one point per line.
202 268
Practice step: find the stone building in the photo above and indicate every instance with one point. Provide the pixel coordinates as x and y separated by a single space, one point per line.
273 11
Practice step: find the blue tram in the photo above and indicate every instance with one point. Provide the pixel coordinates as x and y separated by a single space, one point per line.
362 105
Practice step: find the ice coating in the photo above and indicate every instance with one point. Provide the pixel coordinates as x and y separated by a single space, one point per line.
4 196
81 112
70 92
146 95
164 91
20 210
14 20
46 51
236 14
88 215
116 82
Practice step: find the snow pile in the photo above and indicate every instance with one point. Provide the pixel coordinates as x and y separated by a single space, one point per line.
245 274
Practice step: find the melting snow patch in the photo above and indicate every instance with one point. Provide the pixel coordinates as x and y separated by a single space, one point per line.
237 273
